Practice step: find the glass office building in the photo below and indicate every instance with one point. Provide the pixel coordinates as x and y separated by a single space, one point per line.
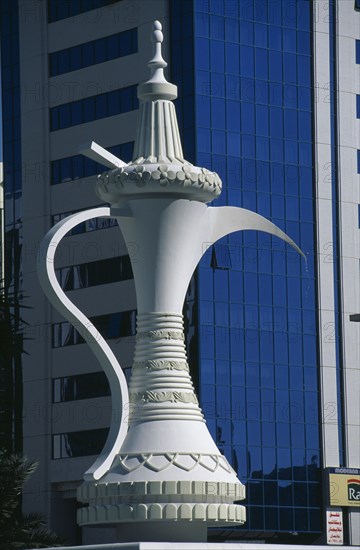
246 87
268 98
248 108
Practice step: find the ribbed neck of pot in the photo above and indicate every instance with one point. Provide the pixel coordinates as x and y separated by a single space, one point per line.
161 386
158 138
160 336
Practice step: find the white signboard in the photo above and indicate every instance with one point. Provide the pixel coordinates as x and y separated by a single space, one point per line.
334 527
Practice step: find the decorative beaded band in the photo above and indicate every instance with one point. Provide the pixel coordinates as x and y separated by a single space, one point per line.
163 396
161 335
161 364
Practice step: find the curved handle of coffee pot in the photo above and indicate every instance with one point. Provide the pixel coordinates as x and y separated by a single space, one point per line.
108 361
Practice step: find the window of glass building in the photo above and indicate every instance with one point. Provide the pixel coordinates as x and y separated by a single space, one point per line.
62 9
113 325
80 386
357 51
75 444
220 257
95 273
92 108
94 224
91 53
78 166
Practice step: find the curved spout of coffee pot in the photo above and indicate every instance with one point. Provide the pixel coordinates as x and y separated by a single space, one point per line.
224 220
171 237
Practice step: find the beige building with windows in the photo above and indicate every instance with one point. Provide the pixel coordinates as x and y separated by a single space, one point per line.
78 79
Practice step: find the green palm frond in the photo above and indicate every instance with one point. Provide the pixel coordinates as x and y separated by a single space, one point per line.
15 471
20 531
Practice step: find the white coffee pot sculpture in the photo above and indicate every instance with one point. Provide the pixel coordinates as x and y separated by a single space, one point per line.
160 475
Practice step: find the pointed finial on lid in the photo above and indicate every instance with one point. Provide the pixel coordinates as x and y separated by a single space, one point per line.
157 63
157 87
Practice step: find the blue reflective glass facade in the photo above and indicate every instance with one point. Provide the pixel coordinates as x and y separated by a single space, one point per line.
244 69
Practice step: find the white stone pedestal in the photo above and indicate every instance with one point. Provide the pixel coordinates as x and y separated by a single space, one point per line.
200 546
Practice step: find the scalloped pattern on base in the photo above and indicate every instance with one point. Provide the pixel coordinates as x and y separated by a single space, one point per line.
158 462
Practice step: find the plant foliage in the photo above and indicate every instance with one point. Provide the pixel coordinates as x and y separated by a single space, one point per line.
20 531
